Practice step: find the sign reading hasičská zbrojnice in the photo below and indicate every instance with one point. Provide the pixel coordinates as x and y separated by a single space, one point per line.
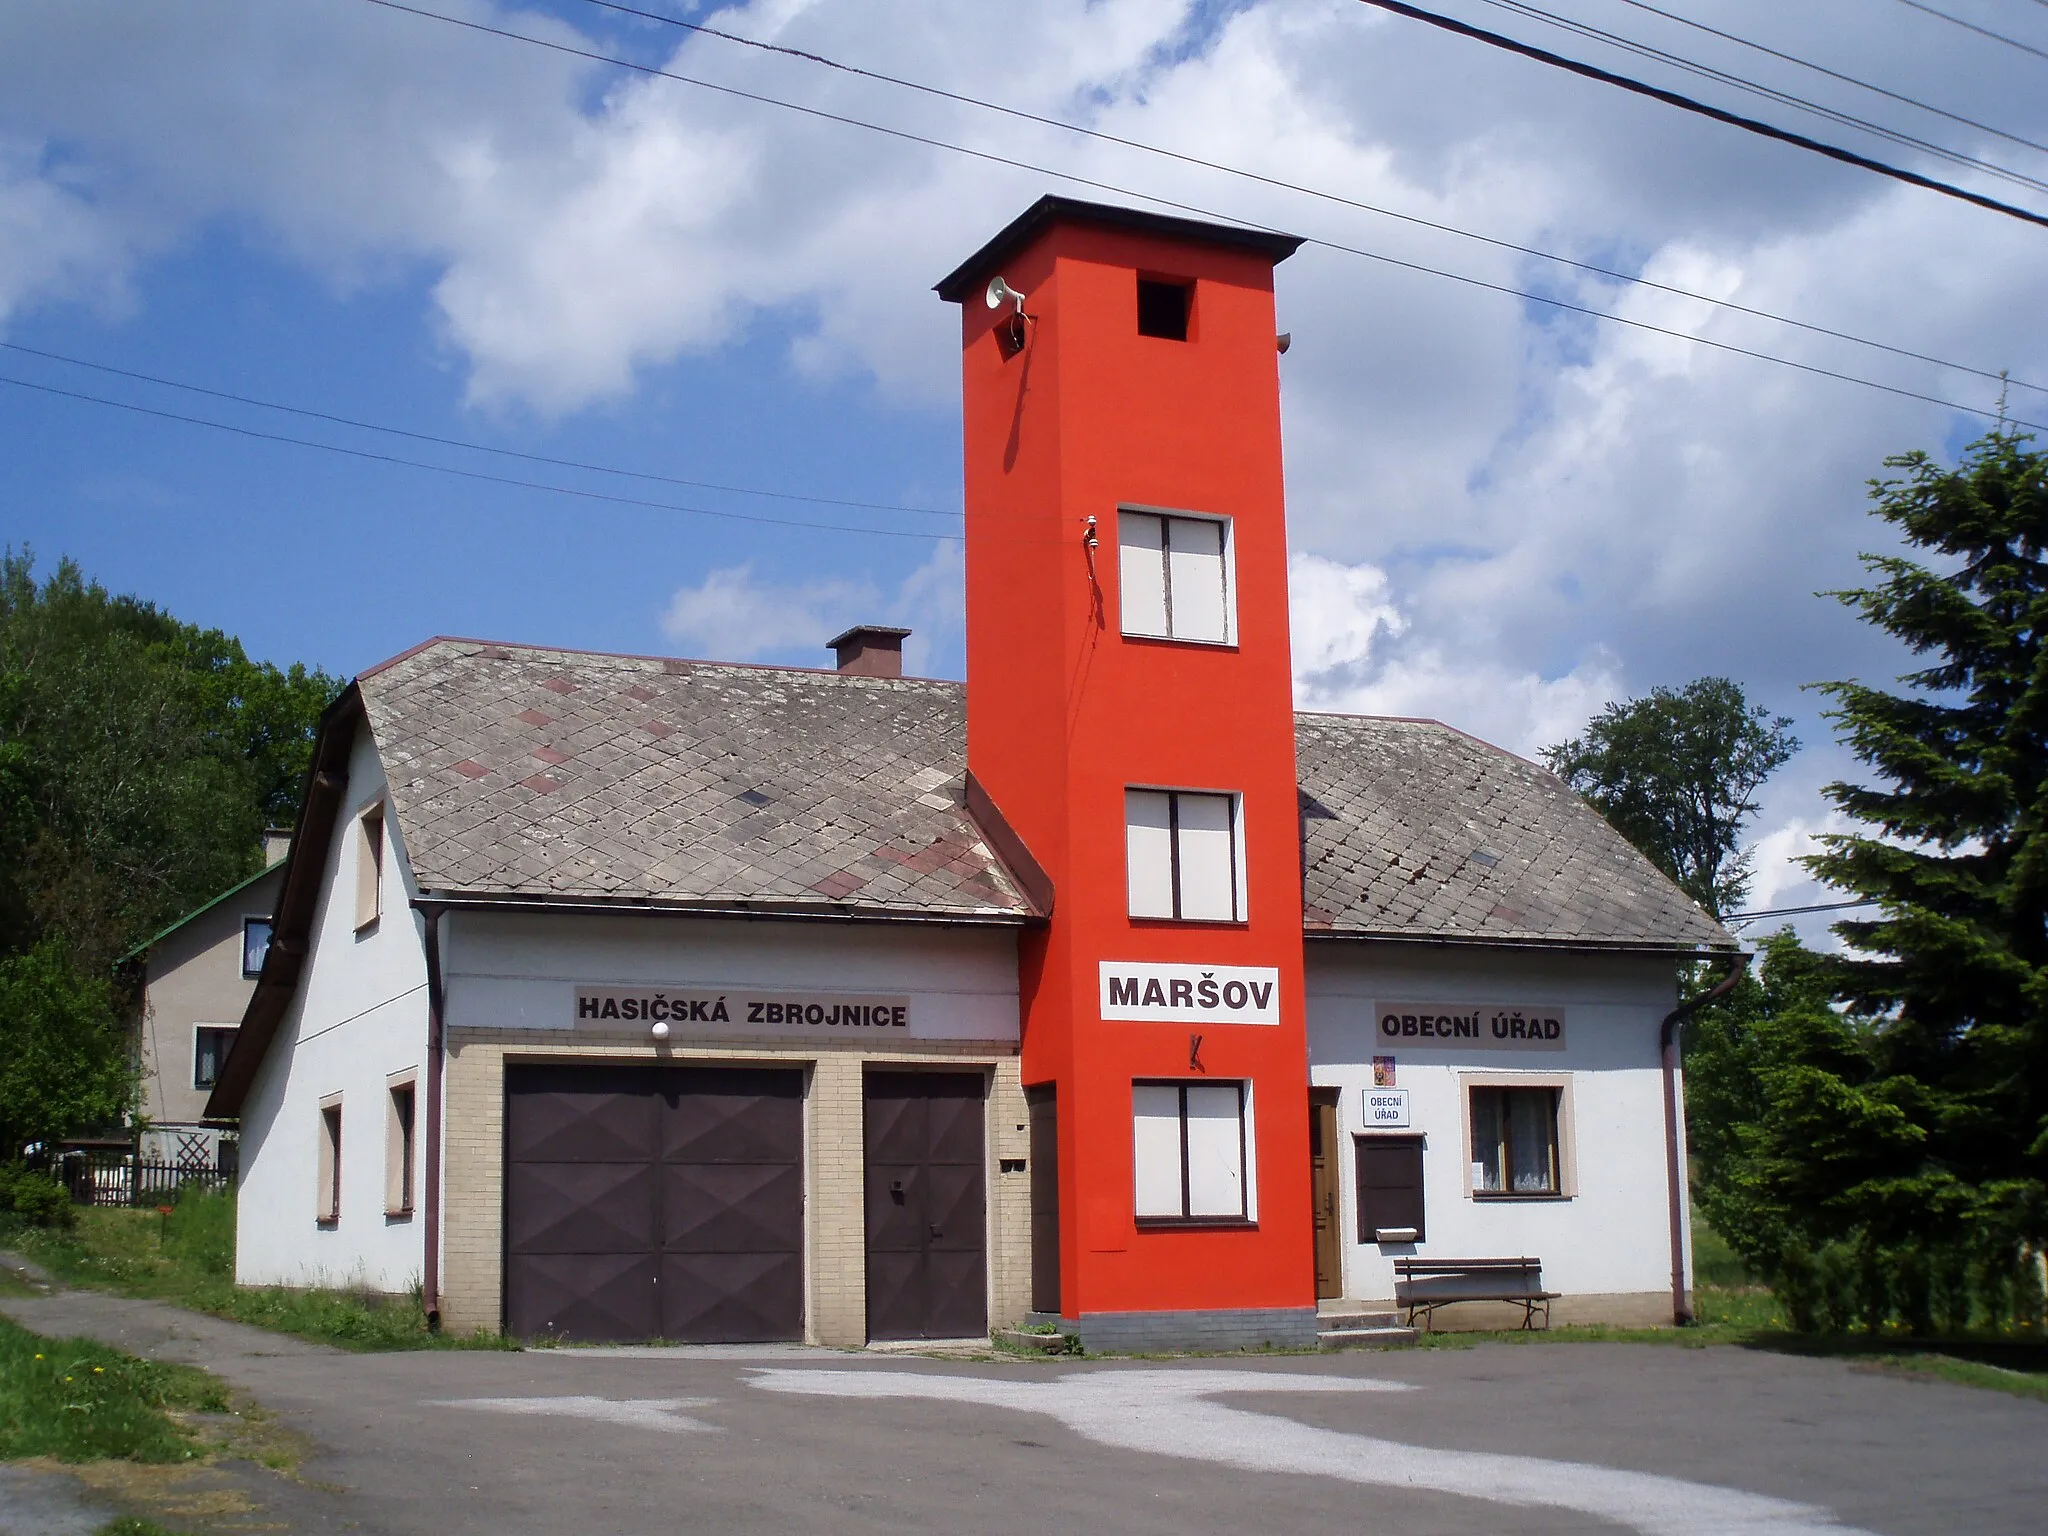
1449 1026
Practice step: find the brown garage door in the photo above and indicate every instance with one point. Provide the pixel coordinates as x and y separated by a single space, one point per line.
927 1261
654 1202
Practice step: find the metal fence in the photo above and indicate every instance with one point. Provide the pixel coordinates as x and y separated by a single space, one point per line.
121 1178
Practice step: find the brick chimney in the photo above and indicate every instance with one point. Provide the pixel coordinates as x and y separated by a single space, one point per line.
870 650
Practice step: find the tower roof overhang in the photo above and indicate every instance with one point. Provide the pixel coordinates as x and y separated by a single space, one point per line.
964 280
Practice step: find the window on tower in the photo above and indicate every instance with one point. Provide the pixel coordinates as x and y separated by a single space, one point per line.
1184 855
1174 577
1163 308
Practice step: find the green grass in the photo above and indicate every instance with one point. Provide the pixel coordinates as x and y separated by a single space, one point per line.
129 1526
80 1401
187 1258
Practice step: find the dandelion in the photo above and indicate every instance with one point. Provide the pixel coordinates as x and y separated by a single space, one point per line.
99 1370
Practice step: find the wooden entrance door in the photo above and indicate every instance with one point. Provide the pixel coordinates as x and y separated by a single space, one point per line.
1323 1176
926 1215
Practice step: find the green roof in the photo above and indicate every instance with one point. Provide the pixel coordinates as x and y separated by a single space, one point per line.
200 911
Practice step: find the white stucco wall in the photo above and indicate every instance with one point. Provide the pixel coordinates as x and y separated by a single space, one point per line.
521 971
360 1017
1612 1236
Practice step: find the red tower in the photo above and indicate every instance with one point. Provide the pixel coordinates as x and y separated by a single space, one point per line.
1130 716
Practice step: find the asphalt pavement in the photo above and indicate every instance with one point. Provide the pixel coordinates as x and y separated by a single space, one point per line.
1497 1438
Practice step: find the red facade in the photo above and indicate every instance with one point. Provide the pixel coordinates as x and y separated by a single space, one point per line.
1066 713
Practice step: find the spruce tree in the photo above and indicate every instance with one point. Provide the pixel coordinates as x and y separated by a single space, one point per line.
1944 990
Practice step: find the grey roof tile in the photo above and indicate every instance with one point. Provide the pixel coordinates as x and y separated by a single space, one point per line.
793 788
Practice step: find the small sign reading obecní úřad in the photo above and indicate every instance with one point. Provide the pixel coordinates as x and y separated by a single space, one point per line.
1445 1026
737 1013
1190 994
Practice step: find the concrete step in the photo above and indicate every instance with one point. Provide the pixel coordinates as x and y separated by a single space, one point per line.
1385 1336
1356 1315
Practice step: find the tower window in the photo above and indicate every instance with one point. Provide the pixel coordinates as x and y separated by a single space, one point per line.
1163 308
1174 577
1184 856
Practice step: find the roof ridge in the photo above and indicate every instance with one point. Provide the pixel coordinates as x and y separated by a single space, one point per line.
692 661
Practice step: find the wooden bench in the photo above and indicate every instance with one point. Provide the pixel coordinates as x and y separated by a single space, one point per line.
1423 1285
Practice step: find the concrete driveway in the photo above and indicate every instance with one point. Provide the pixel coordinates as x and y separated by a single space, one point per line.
1499 1438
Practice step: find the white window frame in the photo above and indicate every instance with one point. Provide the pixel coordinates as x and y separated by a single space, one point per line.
269 922
1128 574
1137 864
220 1060
1184 1213
1567 1138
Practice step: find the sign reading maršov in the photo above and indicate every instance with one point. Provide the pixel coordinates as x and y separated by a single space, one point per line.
1190 994
1445 1026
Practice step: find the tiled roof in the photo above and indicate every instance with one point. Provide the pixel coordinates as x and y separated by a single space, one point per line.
1413 829
565 774
569 775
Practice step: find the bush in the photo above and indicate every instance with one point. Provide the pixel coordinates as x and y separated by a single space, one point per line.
35 1199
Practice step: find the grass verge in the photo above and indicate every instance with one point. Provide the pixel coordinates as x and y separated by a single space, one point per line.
75 1400
187 1258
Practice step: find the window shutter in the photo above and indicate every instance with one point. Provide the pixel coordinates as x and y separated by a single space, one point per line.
1208 859
1141 573
1148 852
1195 578
1215 1149
1155 1138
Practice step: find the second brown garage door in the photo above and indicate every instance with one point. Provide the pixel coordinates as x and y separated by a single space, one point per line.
652 1202
927 1243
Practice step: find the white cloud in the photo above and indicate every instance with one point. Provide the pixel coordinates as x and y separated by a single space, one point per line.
732 615
1503 516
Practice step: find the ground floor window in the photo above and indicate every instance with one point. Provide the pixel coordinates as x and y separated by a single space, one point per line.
1515 1141
210 1043
1189 1152
328 1212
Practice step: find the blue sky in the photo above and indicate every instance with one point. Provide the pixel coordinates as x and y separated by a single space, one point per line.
338 562
1499 517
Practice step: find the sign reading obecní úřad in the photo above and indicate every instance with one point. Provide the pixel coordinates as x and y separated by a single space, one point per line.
1190 994
1447 1026
686 1008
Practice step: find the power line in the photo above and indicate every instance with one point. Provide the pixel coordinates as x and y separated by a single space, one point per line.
457 442
1835 74
1687 103
1307 191
1825 906
1971 26
466 474
992 158
1768 92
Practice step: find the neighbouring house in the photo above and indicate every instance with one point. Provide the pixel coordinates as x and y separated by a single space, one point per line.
195 979
628 997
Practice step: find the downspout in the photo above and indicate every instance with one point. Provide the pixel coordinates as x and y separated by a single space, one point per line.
1667 1045
430 1279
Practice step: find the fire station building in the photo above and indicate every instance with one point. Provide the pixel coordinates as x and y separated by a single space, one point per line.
617 997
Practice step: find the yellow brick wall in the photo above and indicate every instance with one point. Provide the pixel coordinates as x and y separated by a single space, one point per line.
835 1312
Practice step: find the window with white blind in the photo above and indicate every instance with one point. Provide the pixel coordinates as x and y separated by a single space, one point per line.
1191 1156
1173 574
1184 855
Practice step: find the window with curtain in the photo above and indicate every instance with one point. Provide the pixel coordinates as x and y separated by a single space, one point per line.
1514 1141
